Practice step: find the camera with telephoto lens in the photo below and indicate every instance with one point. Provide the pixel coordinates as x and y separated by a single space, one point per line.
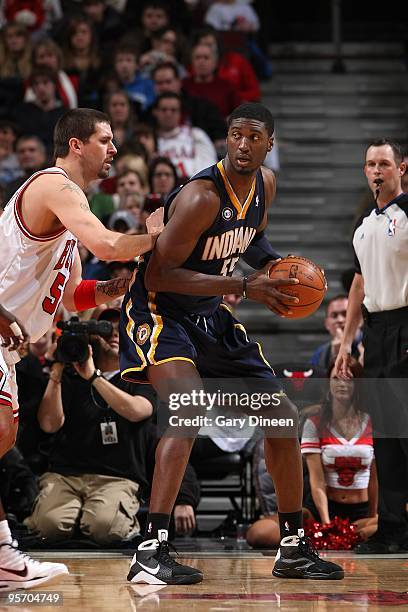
72 345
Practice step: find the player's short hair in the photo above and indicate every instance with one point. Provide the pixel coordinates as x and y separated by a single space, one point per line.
76 123
396 148
253 110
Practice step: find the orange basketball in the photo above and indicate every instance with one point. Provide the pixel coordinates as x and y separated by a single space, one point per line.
311 288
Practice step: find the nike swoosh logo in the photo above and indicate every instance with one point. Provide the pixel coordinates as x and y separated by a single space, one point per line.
151 570
23 573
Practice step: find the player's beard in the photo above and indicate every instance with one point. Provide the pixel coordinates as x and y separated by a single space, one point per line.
243 171
103 172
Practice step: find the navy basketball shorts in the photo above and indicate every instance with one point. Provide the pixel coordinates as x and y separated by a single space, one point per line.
218 345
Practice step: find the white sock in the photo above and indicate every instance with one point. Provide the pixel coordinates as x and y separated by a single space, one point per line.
5 534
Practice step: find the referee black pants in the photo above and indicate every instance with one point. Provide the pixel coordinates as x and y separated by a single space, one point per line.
385 340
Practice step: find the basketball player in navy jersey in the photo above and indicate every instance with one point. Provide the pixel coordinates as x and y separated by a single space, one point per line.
174 328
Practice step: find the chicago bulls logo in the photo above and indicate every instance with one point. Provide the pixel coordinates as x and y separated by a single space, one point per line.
298 378
347 468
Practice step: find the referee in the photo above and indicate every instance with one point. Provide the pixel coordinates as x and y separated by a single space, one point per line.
380 291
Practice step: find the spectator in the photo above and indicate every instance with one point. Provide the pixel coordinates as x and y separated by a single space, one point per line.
107 23
133 204
196 111
133 160
124 222
32 156
28 14
162 176
82 60
9 166
146 136
168 45
40 116
155 16
325 355
32 377
338 447
15 52
47 53
36 15
128 181
139 88
189 148
18 485
232 15
204 83
339 454
119 109
103 457
232 67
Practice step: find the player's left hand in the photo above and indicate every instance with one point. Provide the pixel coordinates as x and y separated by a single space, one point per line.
12 330
154 222
87 368
184 519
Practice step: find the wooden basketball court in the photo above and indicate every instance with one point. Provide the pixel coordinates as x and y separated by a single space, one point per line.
234 581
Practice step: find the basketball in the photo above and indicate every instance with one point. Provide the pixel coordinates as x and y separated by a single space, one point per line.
311 288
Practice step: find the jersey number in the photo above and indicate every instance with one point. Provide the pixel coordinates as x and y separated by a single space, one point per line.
50 303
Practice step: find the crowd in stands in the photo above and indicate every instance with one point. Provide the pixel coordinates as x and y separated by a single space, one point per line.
167 74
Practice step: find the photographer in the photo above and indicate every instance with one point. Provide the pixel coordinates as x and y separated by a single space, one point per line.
103 455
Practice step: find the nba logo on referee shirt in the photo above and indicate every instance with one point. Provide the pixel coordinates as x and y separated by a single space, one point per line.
392 226
227 214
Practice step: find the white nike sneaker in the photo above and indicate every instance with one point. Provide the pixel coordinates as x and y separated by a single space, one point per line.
152 564
20 571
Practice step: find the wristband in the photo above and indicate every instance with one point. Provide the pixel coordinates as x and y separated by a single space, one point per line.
15 328
244 287
84 295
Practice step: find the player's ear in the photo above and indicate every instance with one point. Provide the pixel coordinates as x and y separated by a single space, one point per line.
75 144
271 140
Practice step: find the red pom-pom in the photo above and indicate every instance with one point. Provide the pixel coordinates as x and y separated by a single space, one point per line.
339 534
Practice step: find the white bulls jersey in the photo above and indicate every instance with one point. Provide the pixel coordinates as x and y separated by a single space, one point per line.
346 463
33 269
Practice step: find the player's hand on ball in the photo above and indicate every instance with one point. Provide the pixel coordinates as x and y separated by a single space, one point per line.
11 330
154 222
265 290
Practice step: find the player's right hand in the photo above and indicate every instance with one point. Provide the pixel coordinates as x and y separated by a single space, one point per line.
154 222
265 290
12 330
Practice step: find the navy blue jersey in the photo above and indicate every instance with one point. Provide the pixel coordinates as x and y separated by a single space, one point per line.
218 249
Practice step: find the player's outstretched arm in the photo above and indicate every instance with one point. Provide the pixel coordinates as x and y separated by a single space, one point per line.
193 212
82 294
68 202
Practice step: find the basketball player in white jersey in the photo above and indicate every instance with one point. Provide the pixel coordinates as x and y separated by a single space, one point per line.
40 267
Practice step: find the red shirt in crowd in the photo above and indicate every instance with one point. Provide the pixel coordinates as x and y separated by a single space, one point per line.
218 91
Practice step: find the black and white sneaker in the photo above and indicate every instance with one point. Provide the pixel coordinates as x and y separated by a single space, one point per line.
298 558
152 564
